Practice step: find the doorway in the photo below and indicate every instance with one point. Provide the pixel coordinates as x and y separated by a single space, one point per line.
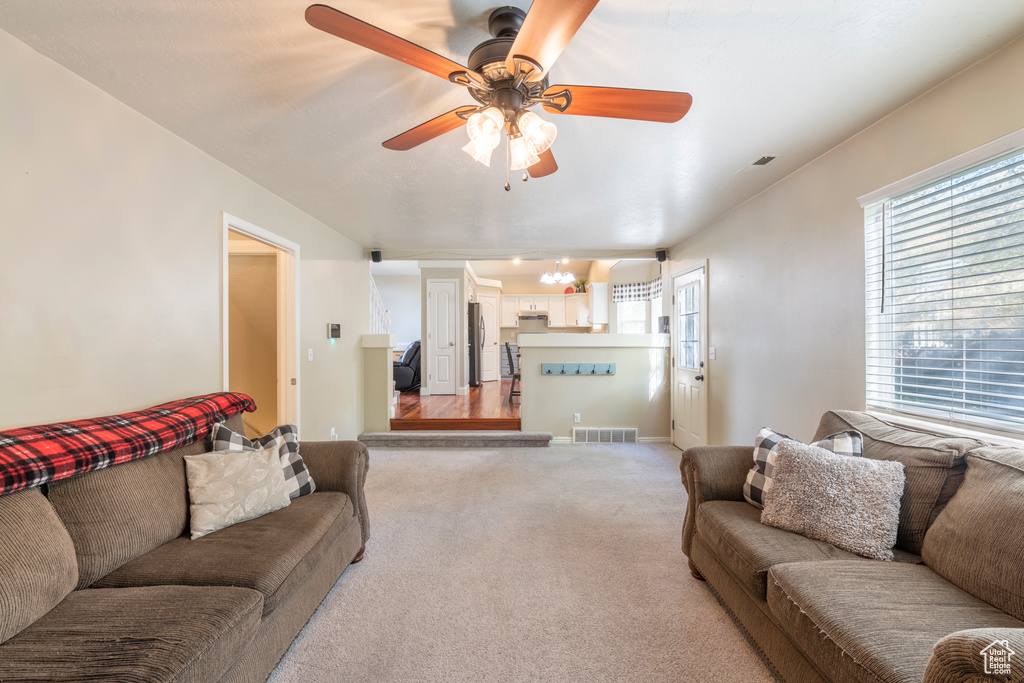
689 368
259 329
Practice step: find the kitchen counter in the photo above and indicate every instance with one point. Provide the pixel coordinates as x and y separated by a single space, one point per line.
635 395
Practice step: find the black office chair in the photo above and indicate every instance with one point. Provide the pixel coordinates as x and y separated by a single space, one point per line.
407 369
516 375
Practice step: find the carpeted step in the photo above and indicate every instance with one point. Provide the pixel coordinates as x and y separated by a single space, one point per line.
456 439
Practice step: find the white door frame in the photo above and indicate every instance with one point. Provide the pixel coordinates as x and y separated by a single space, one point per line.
287 306
429 348
687 269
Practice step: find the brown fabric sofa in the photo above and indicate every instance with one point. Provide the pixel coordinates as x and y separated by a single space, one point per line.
99 580
821 614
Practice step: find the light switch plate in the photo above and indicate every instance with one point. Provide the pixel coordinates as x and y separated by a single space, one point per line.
711 353
311 355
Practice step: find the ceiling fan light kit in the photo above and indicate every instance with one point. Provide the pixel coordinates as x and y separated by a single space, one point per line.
507 75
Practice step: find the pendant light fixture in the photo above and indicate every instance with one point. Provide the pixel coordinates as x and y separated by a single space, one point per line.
558 277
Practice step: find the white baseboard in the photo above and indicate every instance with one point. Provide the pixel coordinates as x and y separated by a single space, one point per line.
424 391
561 441
462 391
655 439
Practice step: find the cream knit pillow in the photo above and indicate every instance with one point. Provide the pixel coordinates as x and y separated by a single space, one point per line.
852 503
226 488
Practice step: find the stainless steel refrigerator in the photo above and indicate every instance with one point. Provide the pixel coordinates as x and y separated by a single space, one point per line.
477 333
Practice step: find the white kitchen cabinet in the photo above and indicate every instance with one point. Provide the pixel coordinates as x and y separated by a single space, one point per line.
577 310
597 295
526 304
556 311
509 311
542 303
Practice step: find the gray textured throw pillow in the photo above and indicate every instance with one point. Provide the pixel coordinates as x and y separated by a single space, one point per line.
852 503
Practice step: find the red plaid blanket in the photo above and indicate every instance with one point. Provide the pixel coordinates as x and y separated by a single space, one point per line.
31 456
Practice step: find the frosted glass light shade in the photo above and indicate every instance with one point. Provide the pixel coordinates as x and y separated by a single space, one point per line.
522 155
484 128
538 132
547 279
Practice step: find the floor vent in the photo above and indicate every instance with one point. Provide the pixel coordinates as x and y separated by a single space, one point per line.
605 435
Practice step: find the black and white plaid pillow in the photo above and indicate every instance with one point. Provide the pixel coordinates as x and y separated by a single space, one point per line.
759 478
296 477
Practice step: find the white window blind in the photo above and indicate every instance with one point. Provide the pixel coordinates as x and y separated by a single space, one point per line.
945 297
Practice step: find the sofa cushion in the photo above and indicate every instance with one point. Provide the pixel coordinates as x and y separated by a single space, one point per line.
734 532
869 620
934 466
273 554
975 543
119 513
162 633
37 560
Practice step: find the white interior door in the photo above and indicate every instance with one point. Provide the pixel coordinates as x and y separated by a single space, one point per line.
689 371
489 365
442 314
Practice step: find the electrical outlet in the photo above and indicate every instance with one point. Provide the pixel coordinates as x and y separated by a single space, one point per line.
576 418
711 353
334 434
311 355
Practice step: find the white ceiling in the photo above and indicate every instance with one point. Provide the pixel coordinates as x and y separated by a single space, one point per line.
303 113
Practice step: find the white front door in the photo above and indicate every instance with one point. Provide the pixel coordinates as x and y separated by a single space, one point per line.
689 371
489 365
442 314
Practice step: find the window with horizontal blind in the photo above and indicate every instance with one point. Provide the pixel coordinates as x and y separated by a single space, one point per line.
945 297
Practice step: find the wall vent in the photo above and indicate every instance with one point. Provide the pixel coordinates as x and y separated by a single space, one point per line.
604 435
759 163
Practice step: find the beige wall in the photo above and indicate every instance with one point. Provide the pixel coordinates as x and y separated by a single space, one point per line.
110 261
529 284
401 297
252 337
786 269
636 396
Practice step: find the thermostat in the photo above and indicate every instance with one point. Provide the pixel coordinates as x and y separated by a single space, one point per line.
334 330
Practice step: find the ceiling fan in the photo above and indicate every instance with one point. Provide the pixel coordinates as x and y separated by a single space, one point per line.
508 75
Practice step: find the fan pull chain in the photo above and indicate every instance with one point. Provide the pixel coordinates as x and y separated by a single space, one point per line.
508 162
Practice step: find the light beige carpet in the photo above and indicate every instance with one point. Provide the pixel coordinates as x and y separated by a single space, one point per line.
546 564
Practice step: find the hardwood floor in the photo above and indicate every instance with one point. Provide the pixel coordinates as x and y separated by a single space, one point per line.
484 407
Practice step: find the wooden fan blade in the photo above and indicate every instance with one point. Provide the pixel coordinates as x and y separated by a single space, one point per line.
623 103
547 29
359 32
429 130
546 165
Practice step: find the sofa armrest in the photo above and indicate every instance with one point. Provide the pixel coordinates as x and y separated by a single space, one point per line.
712 473
340 466
958 657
